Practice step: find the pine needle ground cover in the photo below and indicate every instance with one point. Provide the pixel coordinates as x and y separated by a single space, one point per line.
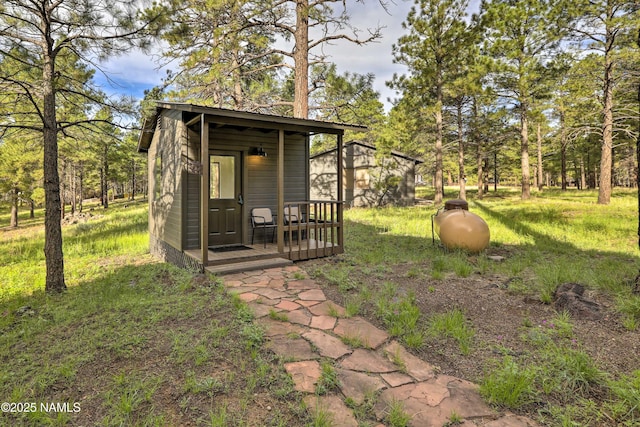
492 317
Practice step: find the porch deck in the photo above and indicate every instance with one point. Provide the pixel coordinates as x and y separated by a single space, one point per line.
313 231
300 250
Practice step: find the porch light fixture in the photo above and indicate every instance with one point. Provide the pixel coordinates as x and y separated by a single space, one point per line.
258 151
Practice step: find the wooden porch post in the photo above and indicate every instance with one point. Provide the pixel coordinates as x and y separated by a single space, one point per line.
340 191
280 172
204 191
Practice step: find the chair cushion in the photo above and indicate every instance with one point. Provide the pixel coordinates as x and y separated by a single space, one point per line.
262 215
291 214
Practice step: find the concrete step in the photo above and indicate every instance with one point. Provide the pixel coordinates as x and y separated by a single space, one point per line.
239 267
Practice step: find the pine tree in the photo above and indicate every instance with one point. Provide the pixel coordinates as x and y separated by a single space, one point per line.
40 36
431 51
521 37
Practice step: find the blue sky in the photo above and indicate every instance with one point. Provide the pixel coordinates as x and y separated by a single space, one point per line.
134 73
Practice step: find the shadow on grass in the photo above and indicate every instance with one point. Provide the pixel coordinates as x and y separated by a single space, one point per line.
549 260
517 218
127 344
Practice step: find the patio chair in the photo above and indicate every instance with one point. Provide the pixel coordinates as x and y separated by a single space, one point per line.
293 217
262 218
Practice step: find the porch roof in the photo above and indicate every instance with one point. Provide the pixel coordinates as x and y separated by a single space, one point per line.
243 119
371 147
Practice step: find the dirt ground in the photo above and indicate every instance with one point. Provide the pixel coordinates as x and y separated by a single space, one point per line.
500 317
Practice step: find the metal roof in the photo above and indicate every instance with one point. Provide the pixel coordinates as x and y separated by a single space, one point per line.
227 117
416 160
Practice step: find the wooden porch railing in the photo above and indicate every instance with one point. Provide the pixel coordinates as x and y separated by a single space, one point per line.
313 229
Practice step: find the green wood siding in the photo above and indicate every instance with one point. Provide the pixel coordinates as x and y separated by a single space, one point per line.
175 212
260 188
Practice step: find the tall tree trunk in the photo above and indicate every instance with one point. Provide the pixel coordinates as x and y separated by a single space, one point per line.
81 184
63 193
105 177
479 164
439 176
301 61
539 171
524 152
495 173
606 159
14 207
439 187
480 155
583 174
72 185
32 209
133 179
237 83
462 178
102 196
638 152
563 153
53 229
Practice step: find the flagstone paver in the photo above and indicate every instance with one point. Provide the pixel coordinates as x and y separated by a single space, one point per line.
277 283
275 327
414 366
307 303
271 293
255 280
296 349
233 283
260 310
323 322
361 330
300 317
288 305
339 413
303 284
328 345
326 308
313 294
241 289
312 331
357 385
249 296
431 403
367 361
395 379
305 374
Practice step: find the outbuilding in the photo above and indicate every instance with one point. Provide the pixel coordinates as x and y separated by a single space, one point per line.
370 178
210 169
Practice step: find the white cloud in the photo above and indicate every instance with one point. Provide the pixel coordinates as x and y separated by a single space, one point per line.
132 74
376 58
129 74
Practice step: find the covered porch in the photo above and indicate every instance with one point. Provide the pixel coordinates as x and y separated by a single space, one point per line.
318 233
211 168
271 171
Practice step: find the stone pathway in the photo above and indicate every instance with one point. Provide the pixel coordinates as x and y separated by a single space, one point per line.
305 328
